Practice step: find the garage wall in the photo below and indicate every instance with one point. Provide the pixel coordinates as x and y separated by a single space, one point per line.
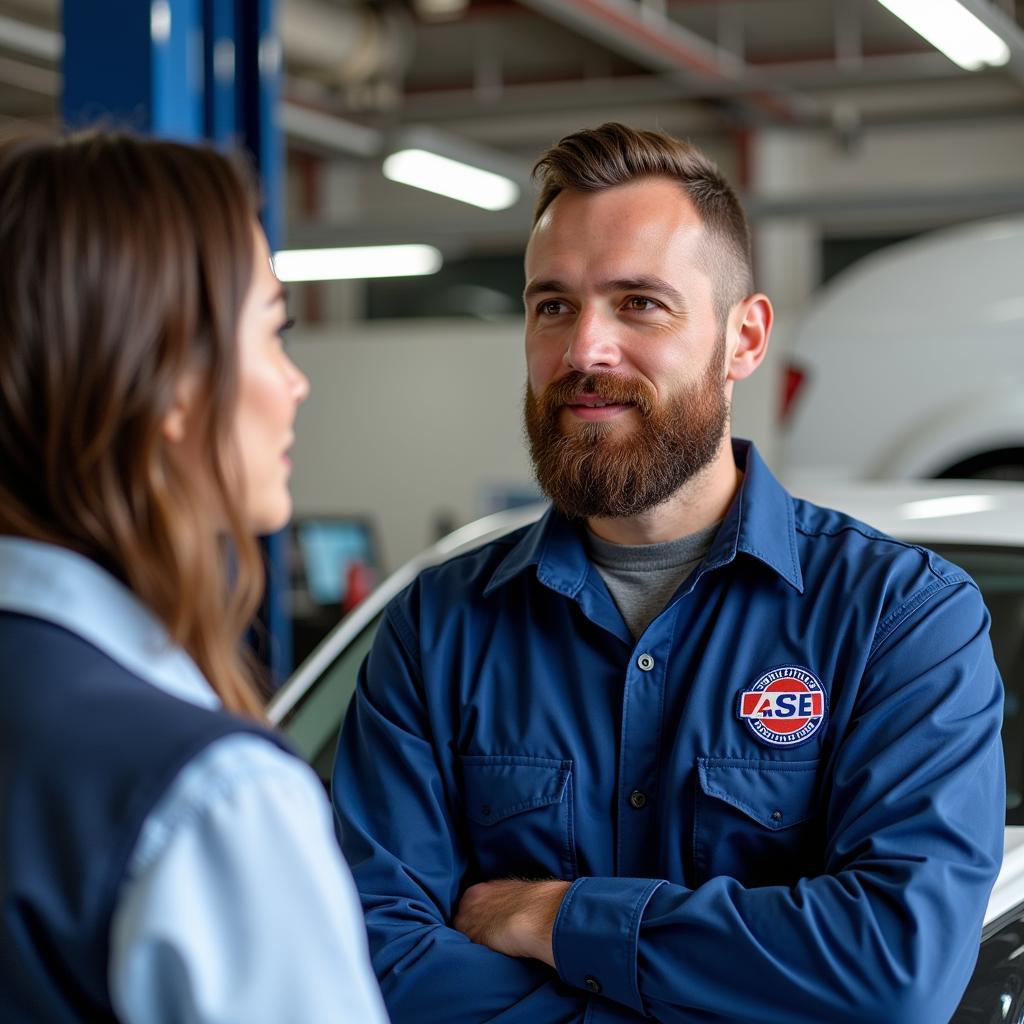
407 422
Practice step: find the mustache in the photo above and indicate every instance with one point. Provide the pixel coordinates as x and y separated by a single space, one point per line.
609 387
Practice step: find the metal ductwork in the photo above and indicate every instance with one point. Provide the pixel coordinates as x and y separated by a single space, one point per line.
343 45
644 33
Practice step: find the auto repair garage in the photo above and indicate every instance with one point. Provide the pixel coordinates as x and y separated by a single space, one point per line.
511 510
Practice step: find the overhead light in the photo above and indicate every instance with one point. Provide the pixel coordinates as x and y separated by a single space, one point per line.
954 505
951 28
356 262
429 158
435 173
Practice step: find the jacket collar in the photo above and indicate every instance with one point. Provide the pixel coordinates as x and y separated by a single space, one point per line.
759 523
60 586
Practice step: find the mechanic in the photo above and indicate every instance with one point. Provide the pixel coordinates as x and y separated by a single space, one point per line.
688 748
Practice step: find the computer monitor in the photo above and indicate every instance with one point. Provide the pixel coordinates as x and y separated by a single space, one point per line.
328 548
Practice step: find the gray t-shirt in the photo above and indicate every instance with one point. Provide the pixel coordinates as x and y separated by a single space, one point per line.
643 577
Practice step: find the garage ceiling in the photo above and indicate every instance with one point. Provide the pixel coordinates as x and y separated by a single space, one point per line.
515 76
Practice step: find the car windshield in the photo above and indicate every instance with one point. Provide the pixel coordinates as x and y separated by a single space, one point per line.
999 572
313 723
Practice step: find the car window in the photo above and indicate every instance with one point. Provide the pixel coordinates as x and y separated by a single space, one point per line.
999 572
996 988
312 725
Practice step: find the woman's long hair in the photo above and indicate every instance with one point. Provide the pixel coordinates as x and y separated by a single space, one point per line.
124 263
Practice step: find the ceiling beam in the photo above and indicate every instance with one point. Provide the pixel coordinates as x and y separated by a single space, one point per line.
324 133
938 206
587 93
41 43
29 77
642 32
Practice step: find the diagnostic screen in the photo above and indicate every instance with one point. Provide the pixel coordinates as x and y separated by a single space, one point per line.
329 548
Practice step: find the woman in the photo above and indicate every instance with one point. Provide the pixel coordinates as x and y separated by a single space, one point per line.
162 857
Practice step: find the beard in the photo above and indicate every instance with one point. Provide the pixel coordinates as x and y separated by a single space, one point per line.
600 470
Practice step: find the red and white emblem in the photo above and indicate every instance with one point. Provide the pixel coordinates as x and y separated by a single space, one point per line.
786 706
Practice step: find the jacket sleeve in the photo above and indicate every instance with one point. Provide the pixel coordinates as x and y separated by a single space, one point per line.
392 787
236 905
914 830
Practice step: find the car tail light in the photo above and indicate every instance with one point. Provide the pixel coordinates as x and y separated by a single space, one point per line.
793 379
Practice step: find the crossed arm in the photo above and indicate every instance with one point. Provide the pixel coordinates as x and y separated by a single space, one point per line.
512 917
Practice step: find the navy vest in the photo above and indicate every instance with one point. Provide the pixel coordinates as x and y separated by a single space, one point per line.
86 750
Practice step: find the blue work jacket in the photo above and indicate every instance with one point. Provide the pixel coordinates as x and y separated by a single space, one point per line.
783 803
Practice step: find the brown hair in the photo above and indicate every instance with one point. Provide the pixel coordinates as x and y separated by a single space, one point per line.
613 154
124 263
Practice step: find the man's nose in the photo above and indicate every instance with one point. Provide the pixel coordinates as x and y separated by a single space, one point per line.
592 345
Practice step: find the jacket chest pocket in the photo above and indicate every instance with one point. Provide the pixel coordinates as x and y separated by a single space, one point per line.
756 821
519 813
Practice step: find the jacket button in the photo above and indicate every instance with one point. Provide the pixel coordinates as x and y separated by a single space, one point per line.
637 799
776 815
645 663
592 984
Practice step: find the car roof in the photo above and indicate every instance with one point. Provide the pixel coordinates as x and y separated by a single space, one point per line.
927 511
960 277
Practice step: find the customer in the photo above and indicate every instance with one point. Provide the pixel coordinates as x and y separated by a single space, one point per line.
162 856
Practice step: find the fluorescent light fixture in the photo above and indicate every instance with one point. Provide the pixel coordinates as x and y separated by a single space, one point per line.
434 173
951 28
954 505
356 262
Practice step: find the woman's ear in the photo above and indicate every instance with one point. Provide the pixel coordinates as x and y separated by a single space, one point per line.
175 423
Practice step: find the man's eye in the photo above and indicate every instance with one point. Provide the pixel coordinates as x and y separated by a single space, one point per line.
640 304
551 307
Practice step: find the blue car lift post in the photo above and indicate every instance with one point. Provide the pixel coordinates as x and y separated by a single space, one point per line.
191 70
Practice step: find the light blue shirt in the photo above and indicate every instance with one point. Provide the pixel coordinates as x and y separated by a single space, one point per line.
236 905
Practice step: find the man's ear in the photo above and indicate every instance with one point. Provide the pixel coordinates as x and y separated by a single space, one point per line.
175 423
750 324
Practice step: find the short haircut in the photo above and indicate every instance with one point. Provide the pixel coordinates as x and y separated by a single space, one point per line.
594 159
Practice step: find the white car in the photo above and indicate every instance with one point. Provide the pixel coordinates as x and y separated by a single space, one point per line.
979 527
911 363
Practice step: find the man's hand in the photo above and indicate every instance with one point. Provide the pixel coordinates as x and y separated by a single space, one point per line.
515 918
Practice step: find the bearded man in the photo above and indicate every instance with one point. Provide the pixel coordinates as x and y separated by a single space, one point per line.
687 749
